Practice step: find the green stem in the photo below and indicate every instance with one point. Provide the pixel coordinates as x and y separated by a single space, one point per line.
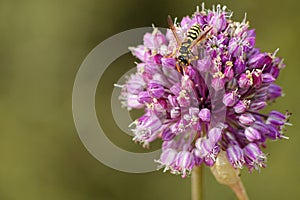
197 187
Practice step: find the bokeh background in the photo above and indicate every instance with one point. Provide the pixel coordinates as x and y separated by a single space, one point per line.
43 43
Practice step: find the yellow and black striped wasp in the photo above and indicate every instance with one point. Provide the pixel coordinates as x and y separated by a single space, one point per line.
193 37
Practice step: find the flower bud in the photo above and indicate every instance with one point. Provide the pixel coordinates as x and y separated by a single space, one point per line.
168 62
235 156
246 119
204 115
167 135
240 107
252 134
274 92
156 90
230 99
267 78
144 97
254 157
256 106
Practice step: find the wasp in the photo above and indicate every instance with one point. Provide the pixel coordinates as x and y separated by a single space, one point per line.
193 37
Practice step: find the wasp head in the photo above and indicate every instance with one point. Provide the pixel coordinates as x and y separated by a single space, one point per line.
183 61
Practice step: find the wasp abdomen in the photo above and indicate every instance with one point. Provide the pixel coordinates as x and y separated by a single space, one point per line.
194 32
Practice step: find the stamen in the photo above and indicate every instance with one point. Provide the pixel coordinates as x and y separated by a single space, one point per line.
245 17
118 86
275 52
284 137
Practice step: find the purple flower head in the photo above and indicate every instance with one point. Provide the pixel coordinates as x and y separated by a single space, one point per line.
183 88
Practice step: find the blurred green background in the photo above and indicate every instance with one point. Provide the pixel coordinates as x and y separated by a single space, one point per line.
43 43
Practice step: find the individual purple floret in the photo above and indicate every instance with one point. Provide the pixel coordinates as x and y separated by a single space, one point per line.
181 102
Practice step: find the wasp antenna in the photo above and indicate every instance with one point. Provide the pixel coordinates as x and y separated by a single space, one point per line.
173 29
170 21
208 29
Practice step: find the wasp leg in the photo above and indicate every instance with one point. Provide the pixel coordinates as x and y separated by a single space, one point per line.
194 58
178 68
173 53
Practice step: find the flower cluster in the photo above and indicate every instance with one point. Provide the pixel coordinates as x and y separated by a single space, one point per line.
179 105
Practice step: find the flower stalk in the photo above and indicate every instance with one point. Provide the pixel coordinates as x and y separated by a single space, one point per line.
197 183
239 190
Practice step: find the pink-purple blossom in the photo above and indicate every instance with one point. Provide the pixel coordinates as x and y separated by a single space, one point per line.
178 105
